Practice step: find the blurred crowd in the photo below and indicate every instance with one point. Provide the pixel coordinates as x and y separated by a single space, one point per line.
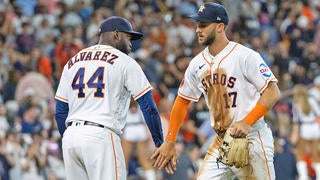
37 38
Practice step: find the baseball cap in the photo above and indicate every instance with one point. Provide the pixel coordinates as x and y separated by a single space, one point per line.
116 23
211 12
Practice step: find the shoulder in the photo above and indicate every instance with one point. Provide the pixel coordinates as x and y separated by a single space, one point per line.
246 53
244 50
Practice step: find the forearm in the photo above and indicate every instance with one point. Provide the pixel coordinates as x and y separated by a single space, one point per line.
152 117
270 96
178 114
61 115
267 100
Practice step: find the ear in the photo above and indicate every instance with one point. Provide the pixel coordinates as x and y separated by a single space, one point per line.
220 27
116 35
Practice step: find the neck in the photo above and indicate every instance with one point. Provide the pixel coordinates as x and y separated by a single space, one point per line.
218 45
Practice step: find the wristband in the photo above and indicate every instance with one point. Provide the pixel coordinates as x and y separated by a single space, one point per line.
255 114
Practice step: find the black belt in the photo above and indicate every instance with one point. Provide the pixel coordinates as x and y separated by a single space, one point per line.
86 123
133 123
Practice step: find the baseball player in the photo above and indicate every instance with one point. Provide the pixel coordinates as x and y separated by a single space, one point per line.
93 99
250 91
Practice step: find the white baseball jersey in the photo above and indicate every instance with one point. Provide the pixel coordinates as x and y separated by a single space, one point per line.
97 84
247 75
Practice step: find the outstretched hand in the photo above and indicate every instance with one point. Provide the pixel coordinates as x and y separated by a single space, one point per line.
165 157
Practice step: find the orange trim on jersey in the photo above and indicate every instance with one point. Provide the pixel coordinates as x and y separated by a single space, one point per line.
188 97
264 154
114 156
205 58
143 92
100 48
266 83
61 98
227 55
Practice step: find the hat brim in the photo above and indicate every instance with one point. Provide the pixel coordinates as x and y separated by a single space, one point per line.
198 18
134 35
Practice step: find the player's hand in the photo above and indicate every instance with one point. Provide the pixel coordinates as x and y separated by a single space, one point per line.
240 129
165 157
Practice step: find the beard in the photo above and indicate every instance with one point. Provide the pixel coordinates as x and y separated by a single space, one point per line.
211 38
123 46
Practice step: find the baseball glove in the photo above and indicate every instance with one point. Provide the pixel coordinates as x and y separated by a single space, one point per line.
234 151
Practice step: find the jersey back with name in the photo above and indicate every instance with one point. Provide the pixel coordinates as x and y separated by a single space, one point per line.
97 84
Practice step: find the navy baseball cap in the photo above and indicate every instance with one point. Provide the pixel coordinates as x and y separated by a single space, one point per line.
211 12
116 23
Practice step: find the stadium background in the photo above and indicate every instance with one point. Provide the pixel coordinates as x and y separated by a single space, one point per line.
37 37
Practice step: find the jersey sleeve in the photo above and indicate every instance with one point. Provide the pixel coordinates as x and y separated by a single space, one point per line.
257 71
136 81
189 86
62 91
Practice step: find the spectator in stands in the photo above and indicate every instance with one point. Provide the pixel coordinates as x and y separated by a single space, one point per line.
284 160
40 63
306 130
26 40
30 120
187 167
34 162
64 50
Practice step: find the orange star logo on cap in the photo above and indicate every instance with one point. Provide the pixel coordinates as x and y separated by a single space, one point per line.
201 8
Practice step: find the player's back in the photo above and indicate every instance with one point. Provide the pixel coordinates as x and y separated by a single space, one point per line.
95 86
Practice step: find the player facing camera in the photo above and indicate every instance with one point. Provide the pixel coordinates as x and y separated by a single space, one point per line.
118 32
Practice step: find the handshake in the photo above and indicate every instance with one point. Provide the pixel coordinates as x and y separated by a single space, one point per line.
165 157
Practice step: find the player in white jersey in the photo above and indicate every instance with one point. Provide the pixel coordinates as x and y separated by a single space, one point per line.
93 99
247 89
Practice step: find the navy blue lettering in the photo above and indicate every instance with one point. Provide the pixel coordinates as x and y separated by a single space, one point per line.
105 56
88 57
113 57
96 56
70 63
76 59
231 82
215 78
82 55
205 87
223 79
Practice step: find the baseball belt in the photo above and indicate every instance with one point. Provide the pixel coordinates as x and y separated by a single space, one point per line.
78 123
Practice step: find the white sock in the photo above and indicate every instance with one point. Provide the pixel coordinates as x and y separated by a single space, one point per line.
316 167
150 174
302 170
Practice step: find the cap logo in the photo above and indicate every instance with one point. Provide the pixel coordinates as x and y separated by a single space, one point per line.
218 18
201 8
